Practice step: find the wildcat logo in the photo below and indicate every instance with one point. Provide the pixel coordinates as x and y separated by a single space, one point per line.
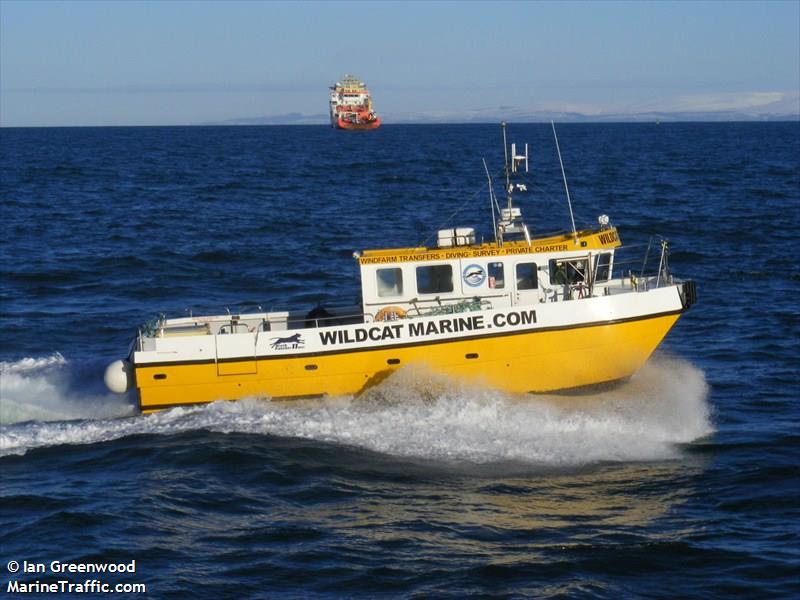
474 275
288 343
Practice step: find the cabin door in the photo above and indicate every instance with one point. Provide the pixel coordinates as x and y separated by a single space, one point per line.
526 282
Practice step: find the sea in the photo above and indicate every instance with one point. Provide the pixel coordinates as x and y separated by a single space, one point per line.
683 482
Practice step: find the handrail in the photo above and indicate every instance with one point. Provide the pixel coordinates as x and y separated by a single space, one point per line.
438 299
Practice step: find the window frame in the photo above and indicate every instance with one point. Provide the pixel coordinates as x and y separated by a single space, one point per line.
555 262
379 291
489 275
431 268
597 266
535 271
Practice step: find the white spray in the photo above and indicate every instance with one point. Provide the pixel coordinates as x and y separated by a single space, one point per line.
416 413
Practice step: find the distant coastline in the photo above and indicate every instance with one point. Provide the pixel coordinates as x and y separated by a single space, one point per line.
542 117
787 109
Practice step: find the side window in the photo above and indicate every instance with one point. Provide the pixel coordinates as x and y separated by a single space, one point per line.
497 279
436 279
565 271
527 276
390 282
602 271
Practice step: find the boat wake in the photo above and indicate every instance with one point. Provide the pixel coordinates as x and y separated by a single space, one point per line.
40 389
413 413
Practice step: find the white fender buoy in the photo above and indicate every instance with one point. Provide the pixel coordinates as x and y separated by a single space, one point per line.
118 376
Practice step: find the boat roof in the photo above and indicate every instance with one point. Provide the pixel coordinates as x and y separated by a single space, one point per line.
588 239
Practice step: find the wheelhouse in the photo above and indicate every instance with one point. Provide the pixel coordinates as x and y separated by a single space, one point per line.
456 277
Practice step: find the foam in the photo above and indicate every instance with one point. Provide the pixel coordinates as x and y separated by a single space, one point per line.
32 364
38 389
416 413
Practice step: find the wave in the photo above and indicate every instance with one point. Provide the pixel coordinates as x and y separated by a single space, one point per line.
416 413
40 389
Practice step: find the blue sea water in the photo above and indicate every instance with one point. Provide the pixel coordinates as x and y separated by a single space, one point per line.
683 482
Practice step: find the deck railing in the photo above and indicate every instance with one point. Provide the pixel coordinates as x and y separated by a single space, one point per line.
634 269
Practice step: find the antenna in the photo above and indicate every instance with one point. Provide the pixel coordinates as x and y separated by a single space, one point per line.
508 172
569 202
492 201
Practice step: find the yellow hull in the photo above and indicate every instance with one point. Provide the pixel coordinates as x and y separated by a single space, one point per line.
525 362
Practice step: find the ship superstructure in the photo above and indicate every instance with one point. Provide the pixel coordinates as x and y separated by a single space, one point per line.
351 105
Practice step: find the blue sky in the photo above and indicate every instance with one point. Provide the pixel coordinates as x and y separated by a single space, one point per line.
137 63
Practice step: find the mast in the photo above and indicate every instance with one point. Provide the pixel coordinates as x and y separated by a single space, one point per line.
509 189
511 222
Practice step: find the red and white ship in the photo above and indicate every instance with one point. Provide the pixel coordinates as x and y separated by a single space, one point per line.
351 105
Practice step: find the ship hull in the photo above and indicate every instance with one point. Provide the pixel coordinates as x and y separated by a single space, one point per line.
361 126
539 359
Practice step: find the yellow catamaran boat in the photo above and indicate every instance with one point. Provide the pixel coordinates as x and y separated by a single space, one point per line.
518 313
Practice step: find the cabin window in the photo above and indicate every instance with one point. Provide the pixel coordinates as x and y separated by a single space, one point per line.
496 278
390 282
602 266
568 271
435 279
527 276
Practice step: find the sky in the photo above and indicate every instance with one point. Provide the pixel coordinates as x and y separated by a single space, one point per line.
127 62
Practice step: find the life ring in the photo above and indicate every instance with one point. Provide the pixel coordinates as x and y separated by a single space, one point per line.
390 313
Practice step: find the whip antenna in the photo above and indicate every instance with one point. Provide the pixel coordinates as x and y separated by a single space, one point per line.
492 200
566 187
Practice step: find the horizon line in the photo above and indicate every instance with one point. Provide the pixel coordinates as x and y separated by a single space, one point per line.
778 119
